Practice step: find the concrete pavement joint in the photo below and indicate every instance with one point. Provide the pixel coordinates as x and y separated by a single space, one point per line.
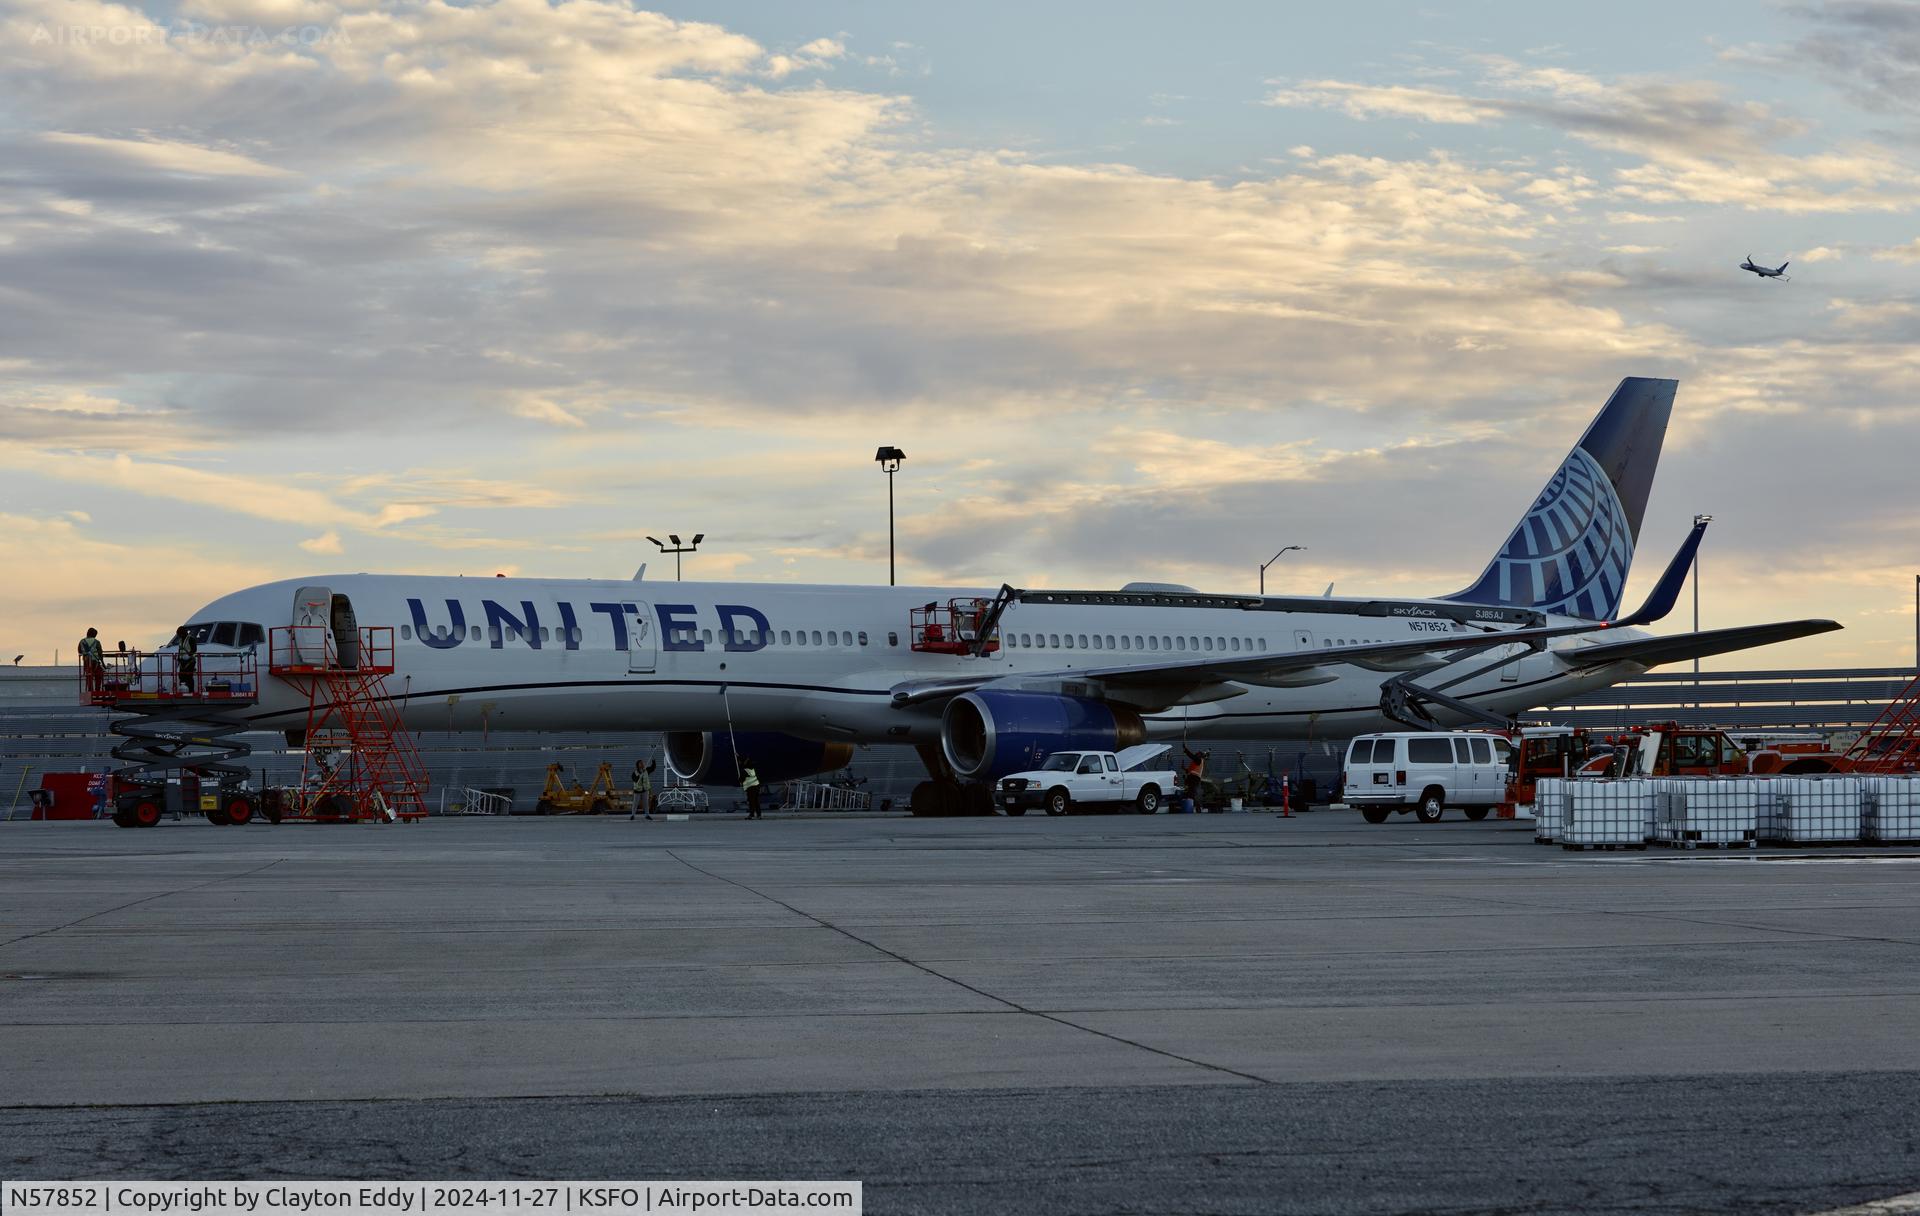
980 992
137 902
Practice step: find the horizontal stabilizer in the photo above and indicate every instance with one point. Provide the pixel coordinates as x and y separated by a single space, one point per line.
1652 652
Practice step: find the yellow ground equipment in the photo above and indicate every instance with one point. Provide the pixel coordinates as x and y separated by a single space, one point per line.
562 797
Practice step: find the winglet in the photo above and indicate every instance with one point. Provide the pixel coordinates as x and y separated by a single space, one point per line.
1666 592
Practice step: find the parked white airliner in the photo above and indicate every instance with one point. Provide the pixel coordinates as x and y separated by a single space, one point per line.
793 675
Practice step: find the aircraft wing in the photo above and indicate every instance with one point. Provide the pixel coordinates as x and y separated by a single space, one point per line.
1299 668
1283 669
1652 652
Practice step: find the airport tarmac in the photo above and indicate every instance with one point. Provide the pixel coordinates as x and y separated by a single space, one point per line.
1233 1013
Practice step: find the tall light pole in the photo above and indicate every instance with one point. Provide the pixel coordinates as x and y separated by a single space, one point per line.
890 459
1276 557
1697 521
677 548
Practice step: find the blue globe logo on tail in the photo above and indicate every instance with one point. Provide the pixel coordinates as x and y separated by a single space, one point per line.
1571 552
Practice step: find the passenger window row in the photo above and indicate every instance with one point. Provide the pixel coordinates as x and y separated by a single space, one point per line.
685 633
1132 642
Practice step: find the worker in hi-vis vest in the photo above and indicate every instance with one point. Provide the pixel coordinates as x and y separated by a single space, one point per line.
750 782
1196 773
642 789
186 657
93 660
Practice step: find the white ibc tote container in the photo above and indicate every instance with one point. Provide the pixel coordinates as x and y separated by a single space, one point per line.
1609 812
1692 811
1809 809
1893 808
1549 808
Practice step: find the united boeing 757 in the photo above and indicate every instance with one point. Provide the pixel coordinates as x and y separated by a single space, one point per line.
985 681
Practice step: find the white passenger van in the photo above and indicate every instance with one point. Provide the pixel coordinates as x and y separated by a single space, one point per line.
1425 772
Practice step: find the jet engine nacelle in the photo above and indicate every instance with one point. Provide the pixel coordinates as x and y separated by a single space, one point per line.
988 734
707 757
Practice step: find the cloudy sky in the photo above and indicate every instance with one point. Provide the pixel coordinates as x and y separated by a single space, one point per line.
1144 291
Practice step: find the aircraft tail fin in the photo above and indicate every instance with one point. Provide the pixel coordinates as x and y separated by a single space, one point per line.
1571 551
1783 266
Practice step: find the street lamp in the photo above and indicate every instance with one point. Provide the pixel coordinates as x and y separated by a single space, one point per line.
1276 557
890 459
1698 520
676 548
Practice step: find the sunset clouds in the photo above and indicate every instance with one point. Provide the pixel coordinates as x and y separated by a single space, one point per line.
452 288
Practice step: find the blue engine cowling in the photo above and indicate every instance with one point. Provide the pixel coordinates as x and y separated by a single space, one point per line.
988 734
707 757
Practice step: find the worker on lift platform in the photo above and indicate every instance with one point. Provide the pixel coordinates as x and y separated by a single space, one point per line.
186 657
93 661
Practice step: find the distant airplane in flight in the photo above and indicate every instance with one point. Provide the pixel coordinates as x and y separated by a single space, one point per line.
1767 272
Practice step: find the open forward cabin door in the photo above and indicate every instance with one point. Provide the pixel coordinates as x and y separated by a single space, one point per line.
325 630
312 626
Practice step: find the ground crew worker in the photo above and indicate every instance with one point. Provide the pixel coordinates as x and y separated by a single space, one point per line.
93 661
1196 770
642 789
750 782
186 657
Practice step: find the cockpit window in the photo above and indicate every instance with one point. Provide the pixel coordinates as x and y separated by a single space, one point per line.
225 634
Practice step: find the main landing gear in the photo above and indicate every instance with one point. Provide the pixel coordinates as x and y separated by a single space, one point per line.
944 795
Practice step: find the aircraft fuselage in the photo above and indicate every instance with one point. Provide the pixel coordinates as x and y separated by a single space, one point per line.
822 661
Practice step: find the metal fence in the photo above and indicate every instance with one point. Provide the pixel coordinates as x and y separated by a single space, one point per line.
824 796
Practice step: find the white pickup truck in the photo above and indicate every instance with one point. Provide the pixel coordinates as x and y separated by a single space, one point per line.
1106 779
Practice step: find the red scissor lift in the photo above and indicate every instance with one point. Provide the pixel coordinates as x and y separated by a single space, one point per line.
178 740
349 715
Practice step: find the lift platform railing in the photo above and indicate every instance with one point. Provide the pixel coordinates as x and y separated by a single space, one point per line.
297 650
959 626
136 680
